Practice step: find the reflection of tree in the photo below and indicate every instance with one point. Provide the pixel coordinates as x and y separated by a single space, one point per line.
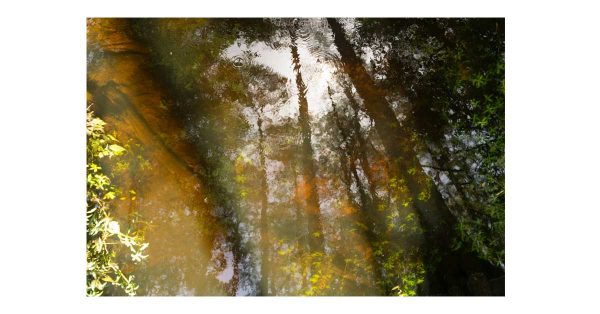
402 173
367 216
264 88
308 184
167 123
437 220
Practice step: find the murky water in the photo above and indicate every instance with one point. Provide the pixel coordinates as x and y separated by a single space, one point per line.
256 168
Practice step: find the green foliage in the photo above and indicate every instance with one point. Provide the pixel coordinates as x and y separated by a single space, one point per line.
105 239
403 267
322 275
455 71
452 73
410 280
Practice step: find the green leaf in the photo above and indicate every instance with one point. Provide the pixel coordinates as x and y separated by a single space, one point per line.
94 167
314 278
110 195
116 149
108 279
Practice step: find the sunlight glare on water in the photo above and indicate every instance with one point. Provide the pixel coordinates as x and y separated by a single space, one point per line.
270 157
315 70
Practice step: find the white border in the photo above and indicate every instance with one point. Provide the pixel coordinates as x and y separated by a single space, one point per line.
551 112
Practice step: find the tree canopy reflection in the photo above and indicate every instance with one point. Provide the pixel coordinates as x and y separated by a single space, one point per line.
303 156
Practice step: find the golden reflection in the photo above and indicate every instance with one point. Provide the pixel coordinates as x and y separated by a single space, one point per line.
284 157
